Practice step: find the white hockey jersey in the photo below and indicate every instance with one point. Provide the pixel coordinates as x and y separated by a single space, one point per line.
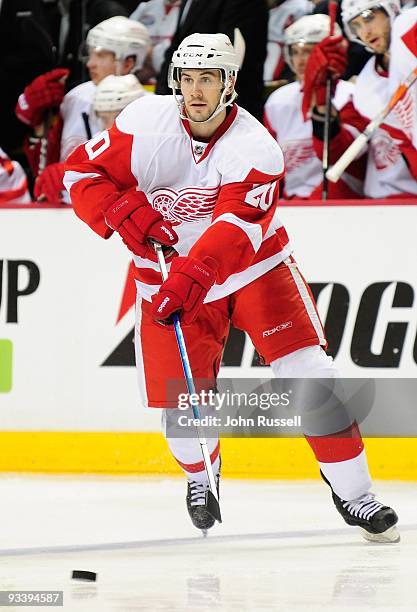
160 17
387 173
402 61
284 117
77 101
280 17
220 196
13 182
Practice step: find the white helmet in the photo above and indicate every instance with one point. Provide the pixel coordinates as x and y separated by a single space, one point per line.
122 36
113 93
353 8
308 30
213 51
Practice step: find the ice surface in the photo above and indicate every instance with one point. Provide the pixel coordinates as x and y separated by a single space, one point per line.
282 547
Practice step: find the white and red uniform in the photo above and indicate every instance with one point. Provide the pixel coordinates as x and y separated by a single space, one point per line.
403 60
77 101
216 195
302 152
387 173
221 198
234 181
160 17
13 182
280 17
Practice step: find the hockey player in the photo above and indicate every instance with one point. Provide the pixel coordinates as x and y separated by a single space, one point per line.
281 15
115 46
309 51
13 182
391 162
160 17
113 93
200 175
403 59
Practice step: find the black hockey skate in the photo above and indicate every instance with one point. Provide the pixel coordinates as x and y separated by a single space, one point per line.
377 522
198 504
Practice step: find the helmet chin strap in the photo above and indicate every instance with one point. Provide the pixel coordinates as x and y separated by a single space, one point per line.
220 107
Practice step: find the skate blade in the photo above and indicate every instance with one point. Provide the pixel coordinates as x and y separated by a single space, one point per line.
213 506
204 532
391 536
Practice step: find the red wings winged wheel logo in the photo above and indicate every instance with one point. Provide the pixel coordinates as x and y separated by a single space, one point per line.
186 205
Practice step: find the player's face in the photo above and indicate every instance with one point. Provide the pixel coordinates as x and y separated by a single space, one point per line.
100 64
299 56
201 90
373 28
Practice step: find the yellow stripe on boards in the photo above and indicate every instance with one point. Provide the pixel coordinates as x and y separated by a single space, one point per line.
147 453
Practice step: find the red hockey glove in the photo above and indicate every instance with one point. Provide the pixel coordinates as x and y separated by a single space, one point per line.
49 184
46 91
138 223
184 290
32 146
329 57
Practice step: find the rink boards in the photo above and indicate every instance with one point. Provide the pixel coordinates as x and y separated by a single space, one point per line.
68 391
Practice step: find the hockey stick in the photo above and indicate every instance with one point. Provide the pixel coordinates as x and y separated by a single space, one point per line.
51 52
86 121
43 151
335 172
212 497
326 136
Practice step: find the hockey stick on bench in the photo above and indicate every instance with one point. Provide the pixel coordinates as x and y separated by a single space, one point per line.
212 497
326 139
336 171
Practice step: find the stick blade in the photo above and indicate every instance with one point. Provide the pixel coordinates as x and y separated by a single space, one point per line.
239 46
213 506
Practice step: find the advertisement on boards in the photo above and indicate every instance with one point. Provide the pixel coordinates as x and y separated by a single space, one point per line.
67 312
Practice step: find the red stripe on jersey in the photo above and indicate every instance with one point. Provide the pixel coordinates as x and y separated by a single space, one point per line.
272 245
255 176
410 39
281 62
269 248
349 115
250 202
339 446
14 194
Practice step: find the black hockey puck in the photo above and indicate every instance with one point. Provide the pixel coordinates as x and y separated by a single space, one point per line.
84 575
